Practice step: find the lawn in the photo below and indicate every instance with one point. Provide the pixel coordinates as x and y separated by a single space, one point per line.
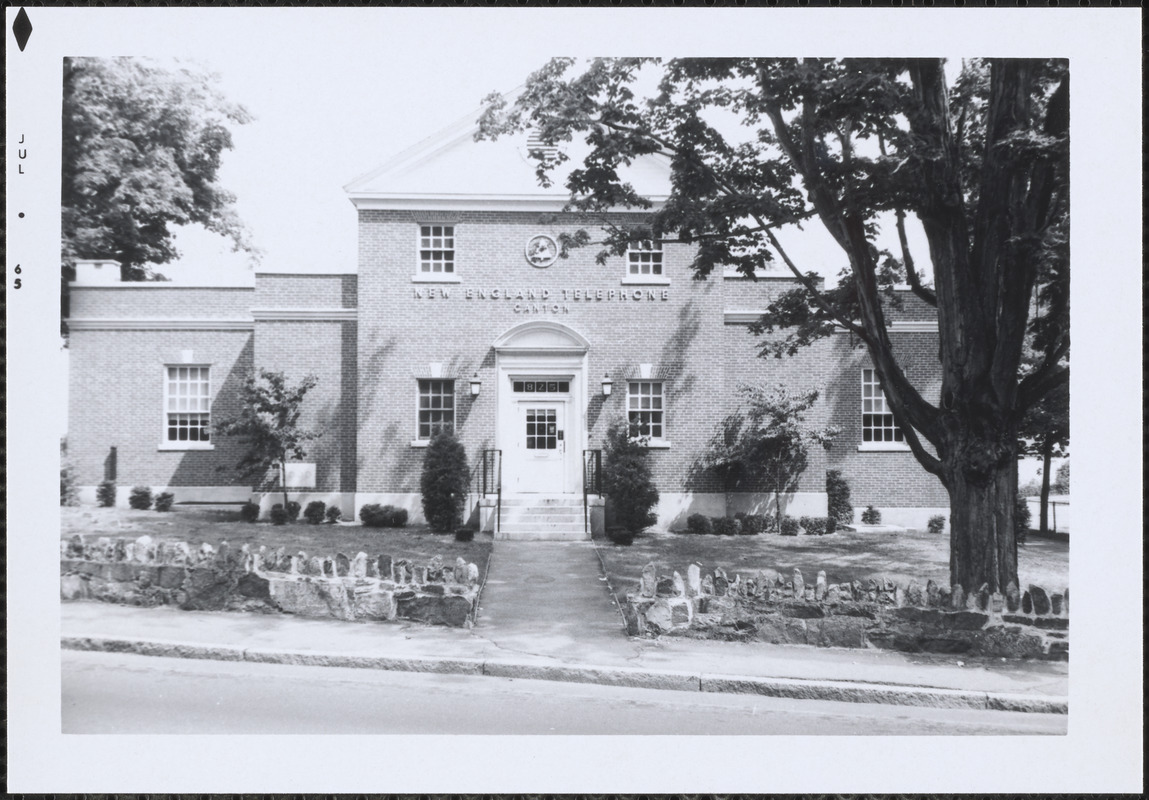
845 556
215 524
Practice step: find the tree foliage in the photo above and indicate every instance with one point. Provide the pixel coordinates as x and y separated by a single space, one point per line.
859 146
268 426
443 482
766 441
142 148
626 479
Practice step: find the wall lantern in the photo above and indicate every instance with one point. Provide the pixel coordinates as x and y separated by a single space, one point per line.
476 385
606 385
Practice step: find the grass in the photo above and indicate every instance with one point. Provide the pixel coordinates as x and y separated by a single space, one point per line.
215 524
845 556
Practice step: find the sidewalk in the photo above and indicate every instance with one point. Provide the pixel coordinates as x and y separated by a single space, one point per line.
546 614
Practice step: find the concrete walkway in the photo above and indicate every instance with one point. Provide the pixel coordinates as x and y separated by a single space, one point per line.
546 613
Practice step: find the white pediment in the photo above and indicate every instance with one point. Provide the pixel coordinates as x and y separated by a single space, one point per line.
542 335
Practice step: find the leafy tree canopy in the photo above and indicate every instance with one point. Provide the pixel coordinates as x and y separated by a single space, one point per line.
141 154
758 144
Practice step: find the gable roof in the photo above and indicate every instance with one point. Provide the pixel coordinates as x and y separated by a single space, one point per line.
450 170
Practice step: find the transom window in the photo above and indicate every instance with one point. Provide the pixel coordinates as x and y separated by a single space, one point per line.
436 407
644 258
877 422
534 387
542 429
187 404
437 249
644 408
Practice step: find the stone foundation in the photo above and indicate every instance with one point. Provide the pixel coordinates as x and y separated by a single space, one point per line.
770 607
147 573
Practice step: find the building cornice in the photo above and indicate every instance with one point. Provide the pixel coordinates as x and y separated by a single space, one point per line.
461 202
748 317
305 314
154 285
160 324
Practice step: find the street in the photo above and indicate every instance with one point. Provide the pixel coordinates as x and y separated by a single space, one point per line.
118 693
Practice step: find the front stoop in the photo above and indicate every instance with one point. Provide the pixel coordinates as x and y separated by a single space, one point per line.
543 518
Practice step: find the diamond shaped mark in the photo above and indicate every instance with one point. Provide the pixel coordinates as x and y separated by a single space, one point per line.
22 28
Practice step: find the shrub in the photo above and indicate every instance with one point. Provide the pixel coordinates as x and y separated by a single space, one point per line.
249 512
626 479
699 523
937 523
164 501
1021 519
838 498
278 514
315 511
789 526
140 498
871 516
444 482
753 524
727 526
293 511
817 526
1060 483
334 514
374 515
69 493
106 494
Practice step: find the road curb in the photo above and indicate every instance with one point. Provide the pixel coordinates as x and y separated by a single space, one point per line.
631 677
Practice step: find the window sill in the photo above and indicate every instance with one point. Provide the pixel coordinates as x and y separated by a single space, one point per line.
883 447
645 280
420 442
431 277
186 446
657 444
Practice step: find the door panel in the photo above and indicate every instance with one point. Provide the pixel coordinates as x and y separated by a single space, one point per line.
540 447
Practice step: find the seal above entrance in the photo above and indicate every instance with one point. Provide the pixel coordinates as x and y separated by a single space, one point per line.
541 336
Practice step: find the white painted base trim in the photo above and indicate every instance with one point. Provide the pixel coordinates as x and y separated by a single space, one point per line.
265 500
183 494
910 518
674 507
412 501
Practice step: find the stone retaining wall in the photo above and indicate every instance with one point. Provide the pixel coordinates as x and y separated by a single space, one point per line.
147 573
768 607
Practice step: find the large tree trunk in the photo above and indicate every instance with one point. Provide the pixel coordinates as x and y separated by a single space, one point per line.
982 482
1046 464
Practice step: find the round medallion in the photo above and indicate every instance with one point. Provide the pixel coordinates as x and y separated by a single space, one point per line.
542 251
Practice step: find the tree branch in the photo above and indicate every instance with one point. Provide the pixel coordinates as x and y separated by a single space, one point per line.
922 292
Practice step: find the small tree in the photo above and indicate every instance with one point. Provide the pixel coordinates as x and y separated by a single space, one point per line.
838 506
767 440
1045 433
268 424
1061 485
626 479
444 482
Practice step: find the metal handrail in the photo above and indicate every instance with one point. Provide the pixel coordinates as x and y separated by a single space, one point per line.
591 482
491 481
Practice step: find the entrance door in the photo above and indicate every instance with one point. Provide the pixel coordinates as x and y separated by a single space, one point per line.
540 447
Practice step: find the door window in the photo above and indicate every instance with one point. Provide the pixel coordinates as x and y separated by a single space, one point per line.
542 429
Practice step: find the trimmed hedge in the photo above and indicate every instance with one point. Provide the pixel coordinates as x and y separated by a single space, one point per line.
789 526
838 498
443 482
726 526
315 511
817 526
249 512
164 501
140 498
293 509
871 516
753 524
334 514
699 523
937 524
374 515
278 514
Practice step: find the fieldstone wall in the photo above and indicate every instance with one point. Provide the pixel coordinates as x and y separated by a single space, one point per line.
148 573
770 607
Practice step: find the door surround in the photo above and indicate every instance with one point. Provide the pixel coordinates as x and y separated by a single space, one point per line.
541 349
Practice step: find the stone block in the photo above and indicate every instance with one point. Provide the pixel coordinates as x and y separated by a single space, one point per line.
679 585
314 566
658 617
383 564
223 554
820 585
73 587
1012 597
472 574
665 587
311 598
693 580
996 602
254 586
1007 642
649 582
1041 604
1052 623
121 549
1058 651
171 576
780 630
419 575
721 585
799 584
1027 603
633 620
1055 603
932 593
708 584
359 565
799 610
399 571
374 603
770 577
328 567
342 565
837 632
833 594
957 599
450 610
680 612
208 587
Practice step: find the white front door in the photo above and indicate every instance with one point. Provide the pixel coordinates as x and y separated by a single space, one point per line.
540 446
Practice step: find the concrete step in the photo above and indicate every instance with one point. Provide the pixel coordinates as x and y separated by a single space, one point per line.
536 534
566 500
557 512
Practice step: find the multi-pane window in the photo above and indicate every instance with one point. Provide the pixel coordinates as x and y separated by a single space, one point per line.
542 429
187 404
436 407
546 387
644 408
437 249
644 258
877 422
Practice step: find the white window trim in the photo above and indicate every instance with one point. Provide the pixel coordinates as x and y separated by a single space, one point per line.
436 277
645 280
416 441
649 279
178 446
877 447
651 443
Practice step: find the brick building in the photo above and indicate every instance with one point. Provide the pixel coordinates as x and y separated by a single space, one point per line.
463 313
